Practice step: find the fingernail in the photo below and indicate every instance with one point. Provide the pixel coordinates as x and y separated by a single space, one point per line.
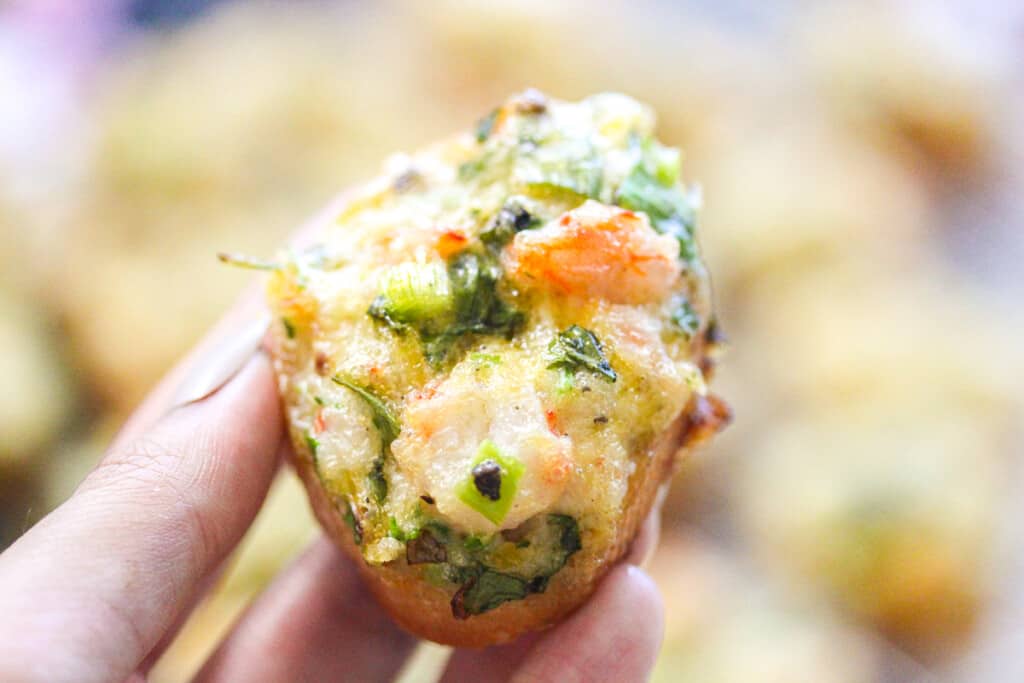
223 362
660 496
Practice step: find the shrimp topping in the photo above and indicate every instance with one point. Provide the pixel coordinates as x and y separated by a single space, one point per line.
596 251
441 435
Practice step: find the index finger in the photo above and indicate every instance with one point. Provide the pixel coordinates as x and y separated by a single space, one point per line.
90 589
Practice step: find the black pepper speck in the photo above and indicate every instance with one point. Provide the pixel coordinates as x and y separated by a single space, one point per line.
487 479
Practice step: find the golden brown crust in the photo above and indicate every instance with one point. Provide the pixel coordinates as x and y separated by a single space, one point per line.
425 610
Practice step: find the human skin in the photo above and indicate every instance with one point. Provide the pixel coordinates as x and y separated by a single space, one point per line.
98 588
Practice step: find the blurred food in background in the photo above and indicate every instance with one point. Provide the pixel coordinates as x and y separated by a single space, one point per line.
723 626
859 500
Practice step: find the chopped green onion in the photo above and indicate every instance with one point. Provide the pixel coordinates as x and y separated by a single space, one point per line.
663 163
442 304
414 292
289 327
490 500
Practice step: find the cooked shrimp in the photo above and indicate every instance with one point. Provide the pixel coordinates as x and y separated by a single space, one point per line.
442 433
596 251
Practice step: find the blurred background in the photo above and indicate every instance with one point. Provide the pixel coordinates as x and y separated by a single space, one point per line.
862 165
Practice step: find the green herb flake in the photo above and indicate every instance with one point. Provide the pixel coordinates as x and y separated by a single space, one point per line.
289 327
474 544
563 169
378 483
575 348
248 262
471 169
383 420
684 318
353 523
396 532
485 126
509 471
311 443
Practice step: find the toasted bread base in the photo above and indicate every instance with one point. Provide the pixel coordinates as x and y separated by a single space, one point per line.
425 610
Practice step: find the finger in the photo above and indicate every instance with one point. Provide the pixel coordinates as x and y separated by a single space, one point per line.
214 361
316 622
615 636
221 353
494 664
89 591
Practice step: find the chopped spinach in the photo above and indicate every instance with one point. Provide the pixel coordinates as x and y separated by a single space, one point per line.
478 308
442 304
575 348
651 187
483 588
464 560
486 591
569 533
383 420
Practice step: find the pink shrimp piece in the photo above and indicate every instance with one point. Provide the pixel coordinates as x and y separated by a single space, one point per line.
596 251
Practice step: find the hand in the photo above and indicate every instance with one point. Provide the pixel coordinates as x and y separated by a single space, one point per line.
99 588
